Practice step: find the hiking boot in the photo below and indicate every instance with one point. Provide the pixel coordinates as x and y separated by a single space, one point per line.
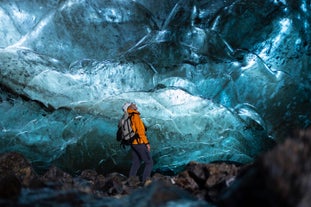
133 181
147 182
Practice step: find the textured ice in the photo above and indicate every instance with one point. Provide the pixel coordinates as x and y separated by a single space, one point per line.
213 80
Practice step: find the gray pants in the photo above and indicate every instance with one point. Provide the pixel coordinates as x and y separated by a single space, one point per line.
140 153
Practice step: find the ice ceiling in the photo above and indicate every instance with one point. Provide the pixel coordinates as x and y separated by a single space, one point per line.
214 80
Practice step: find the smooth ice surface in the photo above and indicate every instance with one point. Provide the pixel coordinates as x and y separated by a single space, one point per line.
214 80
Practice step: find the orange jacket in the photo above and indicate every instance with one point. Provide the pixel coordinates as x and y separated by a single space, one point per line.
138 127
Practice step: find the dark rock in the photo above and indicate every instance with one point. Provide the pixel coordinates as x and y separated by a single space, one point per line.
10 186
86 182
160 193
89 175
58 179
281 177
207 181
112 184
16 164
163 178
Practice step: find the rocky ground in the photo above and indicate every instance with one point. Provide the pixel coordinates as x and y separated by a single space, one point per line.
280 177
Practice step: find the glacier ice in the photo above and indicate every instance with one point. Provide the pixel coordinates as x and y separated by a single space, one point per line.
214 80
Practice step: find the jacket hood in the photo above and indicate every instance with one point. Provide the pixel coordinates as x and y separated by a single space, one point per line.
125 106
131 111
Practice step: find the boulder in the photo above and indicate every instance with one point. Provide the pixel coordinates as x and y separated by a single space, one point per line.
279 178
13 163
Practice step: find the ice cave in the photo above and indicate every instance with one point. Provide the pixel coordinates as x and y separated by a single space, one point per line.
214 80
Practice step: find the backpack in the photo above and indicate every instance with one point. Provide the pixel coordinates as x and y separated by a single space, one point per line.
125 133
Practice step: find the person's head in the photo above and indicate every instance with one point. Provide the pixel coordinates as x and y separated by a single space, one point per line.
129 105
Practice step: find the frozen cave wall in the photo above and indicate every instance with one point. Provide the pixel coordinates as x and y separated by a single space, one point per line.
214 80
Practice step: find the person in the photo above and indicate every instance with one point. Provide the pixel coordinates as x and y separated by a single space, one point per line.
140 146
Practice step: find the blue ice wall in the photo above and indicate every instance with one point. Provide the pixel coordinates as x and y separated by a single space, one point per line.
214 80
